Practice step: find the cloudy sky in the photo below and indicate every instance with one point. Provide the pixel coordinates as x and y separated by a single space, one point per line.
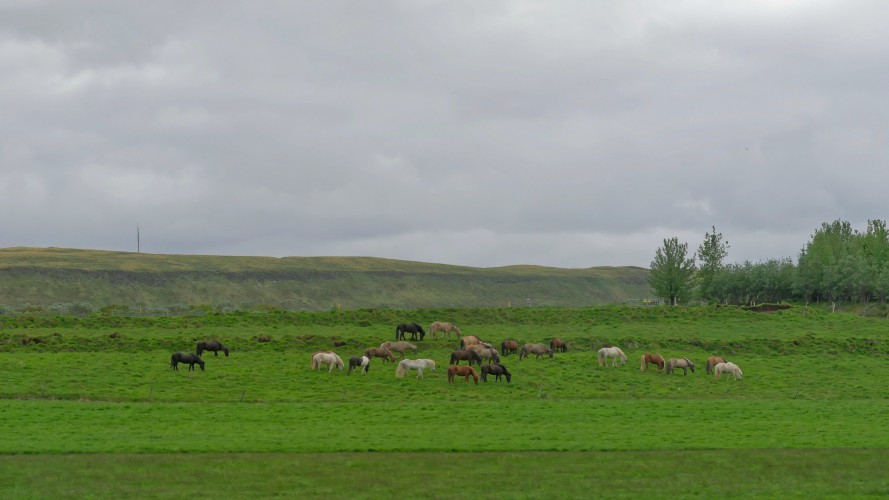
481 133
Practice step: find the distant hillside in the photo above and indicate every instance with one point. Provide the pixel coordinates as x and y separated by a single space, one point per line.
92 278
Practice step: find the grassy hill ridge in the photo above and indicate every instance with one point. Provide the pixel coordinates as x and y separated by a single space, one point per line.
95 278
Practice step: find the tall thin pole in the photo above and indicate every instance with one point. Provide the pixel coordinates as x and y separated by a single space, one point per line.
138 243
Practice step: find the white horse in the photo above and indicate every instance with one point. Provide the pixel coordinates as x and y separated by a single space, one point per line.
728 367
414 364
611 352
326 358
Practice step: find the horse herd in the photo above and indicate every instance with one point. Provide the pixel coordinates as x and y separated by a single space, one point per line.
472 350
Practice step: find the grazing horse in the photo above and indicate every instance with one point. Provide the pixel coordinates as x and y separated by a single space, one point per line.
728 367
468 355
362 362
464 371
191 359
329 358
485 352
611 352
469 340
558 345
712 361
413 328
444 327
379 352
538 349
399 347
414 364
496 370
683 363
210 345
656 359
508 347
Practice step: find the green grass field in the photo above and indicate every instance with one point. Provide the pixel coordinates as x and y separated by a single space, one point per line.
88 414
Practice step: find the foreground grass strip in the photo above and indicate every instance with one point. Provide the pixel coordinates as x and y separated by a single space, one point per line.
726 473
546 425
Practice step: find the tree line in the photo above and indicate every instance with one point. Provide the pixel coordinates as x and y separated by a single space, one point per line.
838 264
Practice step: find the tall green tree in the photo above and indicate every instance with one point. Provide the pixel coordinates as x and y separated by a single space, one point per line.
672 271
711 253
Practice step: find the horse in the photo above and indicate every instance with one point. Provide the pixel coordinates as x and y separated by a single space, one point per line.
497 370
656 359
508 347
558 345
712 361
414 364
468 355
464 371
362 362
211 345
611 352
329 358
683 363
728 367
444 327
485 352
379 352
399 347
412 328
469 340
538 349
191 359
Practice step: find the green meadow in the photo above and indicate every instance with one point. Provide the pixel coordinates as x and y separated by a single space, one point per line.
91 408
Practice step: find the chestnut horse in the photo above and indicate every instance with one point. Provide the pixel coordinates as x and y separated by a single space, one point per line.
444 327
656 359
508 347
713 361
496 370
464 371
558 345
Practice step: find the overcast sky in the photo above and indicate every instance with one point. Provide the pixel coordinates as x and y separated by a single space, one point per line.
481 133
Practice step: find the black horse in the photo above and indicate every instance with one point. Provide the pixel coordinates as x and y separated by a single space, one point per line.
187 357
210 345
497 370
466 355
412 328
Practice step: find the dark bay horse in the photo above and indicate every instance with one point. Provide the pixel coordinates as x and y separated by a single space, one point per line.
463 371
469 355
656 359
508 347
413 328
497 370
558 345
186 357
210 345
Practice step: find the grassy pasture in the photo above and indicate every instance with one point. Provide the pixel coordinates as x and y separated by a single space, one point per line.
809 416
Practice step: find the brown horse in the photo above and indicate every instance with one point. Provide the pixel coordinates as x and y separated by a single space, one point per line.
497 370
379 352
464 371
656 359
683 363
558 345
468 355
538 349
399 347
713 361
444 327
508 347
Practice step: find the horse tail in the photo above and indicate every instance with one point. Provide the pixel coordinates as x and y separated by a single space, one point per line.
601 357
314 363
401 370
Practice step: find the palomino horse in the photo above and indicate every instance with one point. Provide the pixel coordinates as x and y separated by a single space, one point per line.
469 340
611 352
414 364
468 355
210 345
485 352
329 358
728 367
463 371
538 349
496 370
683 363
379 352
444 327
508 347
558 345
191 359
712 361
413 328
656 359
362 362
399 347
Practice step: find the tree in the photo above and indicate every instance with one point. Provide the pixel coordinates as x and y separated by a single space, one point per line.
711 254
672 271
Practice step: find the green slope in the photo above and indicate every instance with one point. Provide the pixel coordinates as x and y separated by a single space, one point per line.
93 278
